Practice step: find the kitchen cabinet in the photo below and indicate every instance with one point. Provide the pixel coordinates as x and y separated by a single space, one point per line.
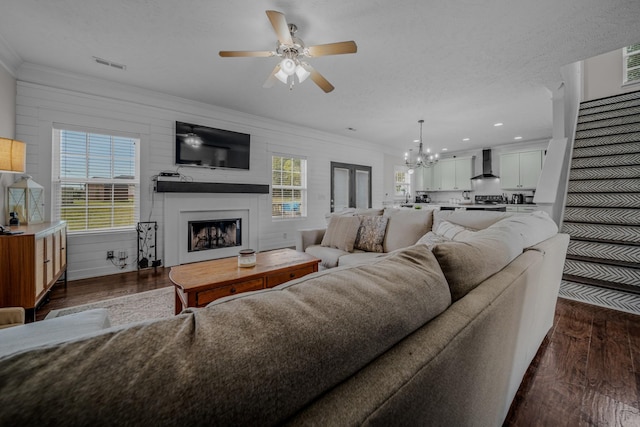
521 170
453 174
35 260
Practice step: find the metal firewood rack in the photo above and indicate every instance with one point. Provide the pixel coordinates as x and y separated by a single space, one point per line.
147 248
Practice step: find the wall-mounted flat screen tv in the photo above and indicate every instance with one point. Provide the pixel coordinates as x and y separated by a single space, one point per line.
211 148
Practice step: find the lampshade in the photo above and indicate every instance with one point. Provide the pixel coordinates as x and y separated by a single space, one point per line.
12 155
302 73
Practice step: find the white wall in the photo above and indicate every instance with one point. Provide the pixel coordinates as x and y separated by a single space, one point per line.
46 96
603 76
7 126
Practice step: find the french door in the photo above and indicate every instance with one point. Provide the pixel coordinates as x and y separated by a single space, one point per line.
350 186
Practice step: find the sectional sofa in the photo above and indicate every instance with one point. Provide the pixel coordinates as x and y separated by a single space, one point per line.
440 332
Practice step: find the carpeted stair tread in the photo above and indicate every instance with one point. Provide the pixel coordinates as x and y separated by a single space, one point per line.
605 251
602 284
610 216
612 130
607 140
620 234
618 109
603 200
604 272
607 150
605 186
609 122
620 172
604 261
597 295
610 100
604 161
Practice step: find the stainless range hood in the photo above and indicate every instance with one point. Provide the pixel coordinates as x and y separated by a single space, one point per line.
486 166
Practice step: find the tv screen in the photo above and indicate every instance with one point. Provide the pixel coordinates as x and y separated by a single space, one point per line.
211 148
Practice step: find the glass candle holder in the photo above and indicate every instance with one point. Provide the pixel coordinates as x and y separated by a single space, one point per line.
247 258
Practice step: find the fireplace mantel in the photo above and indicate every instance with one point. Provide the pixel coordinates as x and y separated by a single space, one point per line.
209 187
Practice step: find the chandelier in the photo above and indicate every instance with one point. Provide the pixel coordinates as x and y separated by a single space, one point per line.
422 159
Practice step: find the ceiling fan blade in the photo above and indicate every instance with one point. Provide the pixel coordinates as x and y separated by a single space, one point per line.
271 80
333 48
280 26
245 53
318 78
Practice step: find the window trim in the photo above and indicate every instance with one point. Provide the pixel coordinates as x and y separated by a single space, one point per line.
407 183
56 178
303 187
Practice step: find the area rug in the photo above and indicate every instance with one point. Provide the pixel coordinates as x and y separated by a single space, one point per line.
155 304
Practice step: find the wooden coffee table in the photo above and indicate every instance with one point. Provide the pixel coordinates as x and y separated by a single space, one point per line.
200 283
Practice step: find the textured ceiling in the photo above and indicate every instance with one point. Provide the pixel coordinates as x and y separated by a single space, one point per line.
460 65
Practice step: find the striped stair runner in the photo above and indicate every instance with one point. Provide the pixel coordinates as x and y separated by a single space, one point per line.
602 213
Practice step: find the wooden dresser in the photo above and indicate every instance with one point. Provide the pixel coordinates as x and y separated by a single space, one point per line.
30 263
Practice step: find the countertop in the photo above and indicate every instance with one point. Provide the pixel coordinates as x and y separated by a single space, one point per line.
464 205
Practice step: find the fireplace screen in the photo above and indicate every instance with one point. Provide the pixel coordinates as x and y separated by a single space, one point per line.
214 234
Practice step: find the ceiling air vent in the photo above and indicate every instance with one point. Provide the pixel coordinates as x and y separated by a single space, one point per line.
109 63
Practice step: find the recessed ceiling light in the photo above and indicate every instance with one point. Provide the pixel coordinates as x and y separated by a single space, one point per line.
497 124
416 140
445 149
517 137
465 139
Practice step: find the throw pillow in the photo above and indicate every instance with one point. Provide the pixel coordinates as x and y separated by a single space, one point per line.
405 227
371 233
341 233
466 264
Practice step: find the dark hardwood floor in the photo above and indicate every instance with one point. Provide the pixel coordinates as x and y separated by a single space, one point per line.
586 373
84 291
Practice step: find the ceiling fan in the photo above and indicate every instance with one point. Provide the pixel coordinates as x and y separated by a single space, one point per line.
293 51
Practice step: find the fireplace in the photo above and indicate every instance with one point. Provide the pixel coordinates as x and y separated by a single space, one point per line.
180 209
214 234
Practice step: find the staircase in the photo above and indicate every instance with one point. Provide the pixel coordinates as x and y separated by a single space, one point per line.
602 213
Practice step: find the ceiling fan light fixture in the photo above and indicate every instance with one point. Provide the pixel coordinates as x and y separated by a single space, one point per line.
302 73
282 76
288 66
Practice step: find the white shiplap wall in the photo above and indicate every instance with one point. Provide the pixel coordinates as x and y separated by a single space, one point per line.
46 96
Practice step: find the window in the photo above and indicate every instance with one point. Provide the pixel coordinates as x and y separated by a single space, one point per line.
402 183
631 63
95 180
288 187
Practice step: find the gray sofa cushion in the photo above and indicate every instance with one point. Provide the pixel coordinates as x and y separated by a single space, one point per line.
405 227
467 263
53 330
329 256
475 220
256 359
359 258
